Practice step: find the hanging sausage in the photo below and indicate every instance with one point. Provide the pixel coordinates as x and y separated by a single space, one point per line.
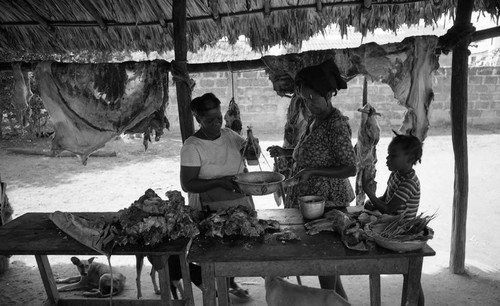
232 116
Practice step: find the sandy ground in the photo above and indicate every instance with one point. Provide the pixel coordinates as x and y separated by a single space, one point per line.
45 184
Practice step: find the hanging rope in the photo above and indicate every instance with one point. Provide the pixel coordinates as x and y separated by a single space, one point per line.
230 70
180 74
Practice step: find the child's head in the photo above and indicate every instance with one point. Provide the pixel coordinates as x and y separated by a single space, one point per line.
404 151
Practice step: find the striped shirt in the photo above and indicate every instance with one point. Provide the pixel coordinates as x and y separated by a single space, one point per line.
407 188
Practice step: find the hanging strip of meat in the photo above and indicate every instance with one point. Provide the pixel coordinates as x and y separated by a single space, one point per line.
366 155
21 92
90 104
296 124
232 117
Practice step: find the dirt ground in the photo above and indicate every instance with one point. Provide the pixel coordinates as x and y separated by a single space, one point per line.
45 184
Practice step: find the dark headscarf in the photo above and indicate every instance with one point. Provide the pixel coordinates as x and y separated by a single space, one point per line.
323 78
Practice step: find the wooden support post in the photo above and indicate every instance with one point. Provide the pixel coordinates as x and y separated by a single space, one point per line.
183 88
458 110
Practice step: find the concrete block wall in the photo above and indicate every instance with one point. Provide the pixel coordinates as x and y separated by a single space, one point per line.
265 111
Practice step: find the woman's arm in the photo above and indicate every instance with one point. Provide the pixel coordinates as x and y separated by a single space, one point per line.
191 183
335 172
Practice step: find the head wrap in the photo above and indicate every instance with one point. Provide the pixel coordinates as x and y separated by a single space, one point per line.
323 78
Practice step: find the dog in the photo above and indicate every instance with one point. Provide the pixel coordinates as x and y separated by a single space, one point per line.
95 277
282 293
175 273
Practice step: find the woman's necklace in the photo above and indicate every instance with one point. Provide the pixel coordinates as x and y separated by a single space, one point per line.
208 137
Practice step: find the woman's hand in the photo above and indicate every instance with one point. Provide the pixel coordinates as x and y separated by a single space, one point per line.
228 183
302 176
276 151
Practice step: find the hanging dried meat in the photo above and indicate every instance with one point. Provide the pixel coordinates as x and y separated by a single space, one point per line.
366 155
232 117
21 94
296 124
156 123
405 66
90 104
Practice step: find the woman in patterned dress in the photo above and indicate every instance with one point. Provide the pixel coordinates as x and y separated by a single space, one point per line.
324 157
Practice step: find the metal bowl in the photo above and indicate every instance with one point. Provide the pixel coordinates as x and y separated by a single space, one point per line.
312 207
259 182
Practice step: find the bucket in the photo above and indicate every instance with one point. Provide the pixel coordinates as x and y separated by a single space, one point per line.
312 207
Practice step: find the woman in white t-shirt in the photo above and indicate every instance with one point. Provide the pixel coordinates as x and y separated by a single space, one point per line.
209 161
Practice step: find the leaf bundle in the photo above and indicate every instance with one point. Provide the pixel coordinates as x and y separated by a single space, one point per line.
405 229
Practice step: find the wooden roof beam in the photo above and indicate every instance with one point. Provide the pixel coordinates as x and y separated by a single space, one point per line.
247 65
93 11
486 34
242 65
460 33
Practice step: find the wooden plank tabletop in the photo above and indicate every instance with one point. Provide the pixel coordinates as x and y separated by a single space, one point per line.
323 246
289 216
36 234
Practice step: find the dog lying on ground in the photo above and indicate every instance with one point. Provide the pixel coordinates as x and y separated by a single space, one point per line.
175 273
95 277
282 293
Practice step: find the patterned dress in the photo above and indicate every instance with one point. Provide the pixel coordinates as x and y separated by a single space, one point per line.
326 145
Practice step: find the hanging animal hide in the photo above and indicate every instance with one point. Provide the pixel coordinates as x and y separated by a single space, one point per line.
90 104
406 67
21 94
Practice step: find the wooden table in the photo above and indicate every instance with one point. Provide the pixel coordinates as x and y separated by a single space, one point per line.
321 254
35 234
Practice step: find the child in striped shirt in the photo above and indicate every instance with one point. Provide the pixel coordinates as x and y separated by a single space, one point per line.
403 187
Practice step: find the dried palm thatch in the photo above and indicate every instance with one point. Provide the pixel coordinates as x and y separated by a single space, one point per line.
40 29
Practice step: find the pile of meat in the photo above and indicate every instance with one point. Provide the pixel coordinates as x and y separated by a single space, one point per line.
240 221
151 220
349 226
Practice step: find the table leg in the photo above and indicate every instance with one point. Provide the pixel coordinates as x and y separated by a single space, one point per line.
375 298
222 291
208 284
47 278
411 283
186 279
164 275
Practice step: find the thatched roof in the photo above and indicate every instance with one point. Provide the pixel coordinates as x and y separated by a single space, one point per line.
40 29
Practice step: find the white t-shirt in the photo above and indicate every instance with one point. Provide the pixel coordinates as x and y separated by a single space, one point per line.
216 158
